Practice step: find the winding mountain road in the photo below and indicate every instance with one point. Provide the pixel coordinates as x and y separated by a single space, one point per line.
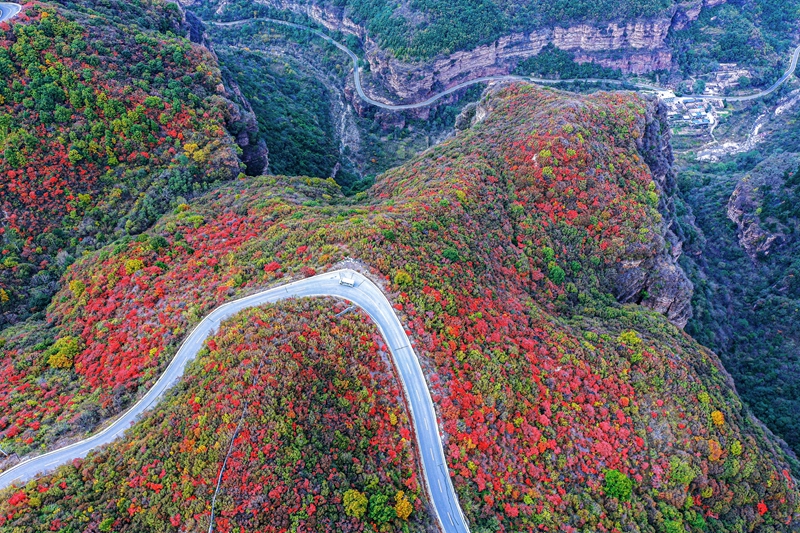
509 77
9 10
363 294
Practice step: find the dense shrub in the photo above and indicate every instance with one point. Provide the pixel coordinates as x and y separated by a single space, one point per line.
93 120
617 485
537 389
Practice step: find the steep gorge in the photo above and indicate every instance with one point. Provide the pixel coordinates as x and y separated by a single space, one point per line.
498 249
634 46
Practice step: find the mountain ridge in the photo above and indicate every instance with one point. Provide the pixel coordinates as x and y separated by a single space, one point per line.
499 248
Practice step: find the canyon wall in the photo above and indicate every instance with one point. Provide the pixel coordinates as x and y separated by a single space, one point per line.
633 46
648 274
659 276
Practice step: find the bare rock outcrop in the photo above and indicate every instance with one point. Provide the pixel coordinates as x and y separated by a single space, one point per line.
640 34
240 120
686 12
743 210
634 46
649 273
760 205
652 277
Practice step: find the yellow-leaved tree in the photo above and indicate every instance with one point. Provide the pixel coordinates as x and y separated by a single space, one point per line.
62 353
355 503
402 506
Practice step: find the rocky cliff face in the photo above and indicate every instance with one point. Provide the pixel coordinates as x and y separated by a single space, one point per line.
642 41
648 274
634 46
689 11
743 210
240 120
657 281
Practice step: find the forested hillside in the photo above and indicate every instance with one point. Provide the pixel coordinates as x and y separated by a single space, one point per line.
107 116
561 408
293 111
307 409
757 34
425 28
744 253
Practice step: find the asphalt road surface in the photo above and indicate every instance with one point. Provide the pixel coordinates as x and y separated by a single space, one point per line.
510 77
760 94
365 295
8 10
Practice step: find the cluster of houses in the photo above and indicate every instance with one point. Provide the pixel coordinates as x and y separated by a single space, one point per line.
694 116
728 76
692 112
